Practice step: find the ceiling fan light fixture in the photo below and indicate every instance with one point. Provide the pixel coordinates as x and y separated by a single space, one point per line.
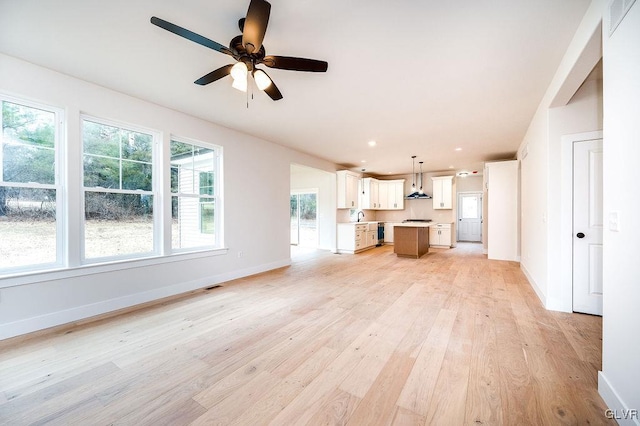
239 72
240 84
262 79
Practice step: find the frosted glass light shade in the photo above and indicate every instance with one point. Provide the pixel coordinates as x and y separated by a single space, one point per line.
239 71
262 79
240 84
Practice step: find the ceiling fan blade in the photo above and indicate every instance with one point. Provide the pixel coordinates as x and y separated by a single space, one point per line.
295 64
255 25
214 75
190 35
272 90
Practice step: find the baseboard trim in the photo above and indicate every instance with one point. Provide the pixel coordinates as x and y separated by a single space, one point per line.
84 312
618 410
534 285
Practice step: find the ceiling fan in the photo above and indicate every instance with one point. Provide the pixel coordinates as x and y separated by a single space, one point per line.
248 51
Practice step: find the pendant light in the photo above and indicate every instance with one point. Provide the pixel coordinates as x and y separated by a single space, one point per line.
413 173
421 191
362 181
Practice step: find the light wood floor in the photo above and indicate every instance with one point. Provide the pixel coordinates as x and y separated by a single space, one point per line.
451 339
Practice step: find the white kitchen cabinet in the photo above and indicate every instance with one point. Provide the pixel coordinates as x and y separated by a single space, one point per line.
372 238
442 192
354 237
383 195
347 190
440 235
369 198
394 191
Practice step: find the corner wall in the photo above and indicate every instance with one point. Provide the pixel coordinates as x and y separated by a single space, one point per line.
619 381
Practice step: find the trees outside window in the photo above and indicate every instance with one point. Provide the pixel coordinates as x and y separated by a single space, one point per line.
118 199
28 186
118 190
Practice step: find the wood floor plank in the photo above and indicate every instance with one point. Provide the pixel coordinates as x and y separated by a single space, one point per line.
450 338
418 391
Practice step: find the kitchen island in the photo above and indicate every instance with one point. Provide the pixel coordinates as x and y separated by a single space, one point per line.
411 239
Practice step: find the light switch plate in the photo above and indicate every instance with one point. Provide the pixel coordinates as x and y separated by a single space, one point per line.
614 222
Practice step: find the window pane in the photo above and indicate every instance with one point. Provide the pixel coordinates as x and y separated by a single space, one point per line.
118 224
28 163
136 146
100 139
193 223
28 125
117 158
28 144
136 175
27 226
101 172
470 207
188 164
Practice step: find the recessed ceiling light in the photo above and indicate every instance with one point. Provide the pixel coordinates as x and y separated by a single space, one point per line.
458 149
363 161
372 143
451 167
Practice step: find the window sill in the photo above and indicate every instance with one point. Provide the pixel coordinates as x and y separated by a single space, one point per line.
57 273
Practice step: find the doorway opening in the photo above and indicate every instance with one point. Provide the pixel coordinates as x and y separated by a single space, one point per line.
304 218
469 227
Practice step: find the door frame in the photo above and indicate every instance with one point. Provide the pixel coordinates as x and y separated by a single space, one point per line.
459 212
566 216
302 191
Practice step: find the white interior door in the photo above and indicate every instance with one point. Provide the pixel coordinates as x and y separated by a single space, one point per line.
470 216
587 227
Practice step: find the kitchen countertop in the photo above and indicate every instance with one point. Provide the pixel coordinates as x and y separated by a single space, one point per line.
415 224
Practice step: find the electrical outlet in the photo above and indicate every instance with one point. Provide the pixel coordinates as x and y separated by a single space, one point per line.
240 254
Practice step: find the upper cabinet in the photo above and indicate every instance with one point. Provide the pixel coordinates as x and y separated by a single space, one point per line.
442 192
347 189
382 194
395 194
369 196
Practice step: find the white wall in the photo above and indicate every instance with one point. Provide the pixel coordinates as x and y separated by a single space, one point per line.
472 183
539 153
502 206
619 382
258 226
325 183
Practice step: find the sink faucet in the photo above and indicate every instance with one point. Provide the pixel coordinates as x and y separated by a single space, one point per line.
359 215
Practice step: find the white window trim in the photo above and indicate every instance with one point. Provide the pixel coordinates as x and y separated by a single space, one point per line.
60 146
157 171
217 198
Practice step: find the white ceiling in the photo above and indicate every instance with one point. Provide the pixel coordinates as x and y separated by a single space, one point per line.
419 77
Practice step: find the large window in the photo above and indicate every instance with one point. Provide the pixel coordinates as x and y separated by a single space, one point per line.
123 189
194 193
29 190
118 191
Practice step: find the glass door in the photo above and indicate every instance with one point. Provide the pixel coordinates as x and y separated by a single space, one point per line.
304 221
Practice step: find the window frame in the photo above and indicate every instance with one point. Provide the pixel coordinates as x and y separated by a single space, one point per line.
216 199
70 202
155 192
61 216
